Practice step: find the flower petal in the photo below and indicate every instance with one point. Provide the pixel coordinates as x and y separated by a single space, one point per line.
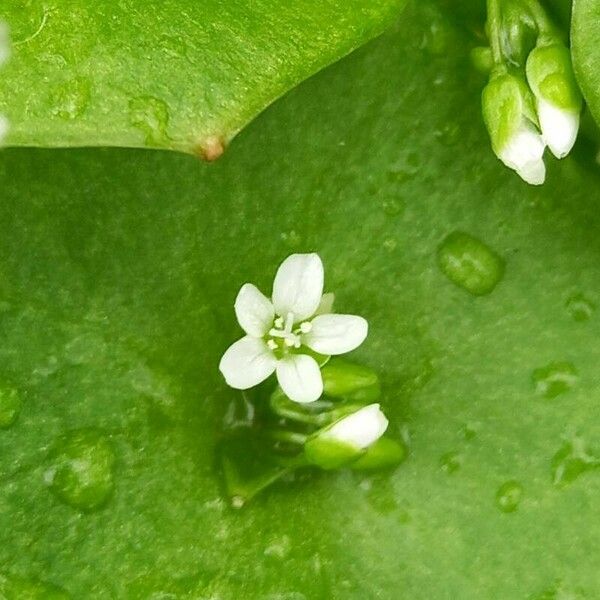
559 127
336 334
247 363
300 378
523 152
298 286
361 428
254 311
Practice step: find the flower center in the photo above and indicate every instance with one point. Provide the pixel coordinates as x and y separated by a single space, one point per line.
283 336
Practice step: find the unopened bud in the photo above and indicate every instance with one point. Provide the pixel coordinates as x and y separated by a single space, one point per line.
558 99
347 439
509 115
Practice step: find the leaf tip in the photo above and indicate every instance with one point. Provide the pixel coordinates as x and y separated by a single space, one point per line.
211 148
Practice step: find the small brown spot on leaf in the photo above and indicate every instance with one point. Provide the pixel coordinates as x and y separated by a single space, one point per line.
211 148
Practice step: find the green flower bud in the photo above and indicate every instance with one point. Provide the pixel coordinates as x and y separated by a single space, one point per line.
385 453
347 439
558 99
509 115
342 379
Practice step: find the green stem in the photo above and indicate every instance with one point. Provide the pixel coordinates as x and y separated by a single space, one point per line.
494 25
291 437
543 23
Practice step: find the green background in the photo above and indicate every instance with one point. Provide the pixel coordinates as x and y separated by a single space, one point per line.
118 271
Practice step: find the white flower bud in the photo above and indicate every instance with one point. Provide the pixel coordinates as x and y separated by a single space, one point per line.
558 100
359 429
509 114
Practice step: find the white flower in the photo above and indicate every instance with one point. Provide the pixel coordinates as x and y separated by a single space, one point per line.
523 152
559 127
360 429
279 331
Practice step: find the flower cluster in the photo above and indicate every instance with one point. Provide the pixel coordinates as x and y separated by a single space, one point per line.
531 100
324 411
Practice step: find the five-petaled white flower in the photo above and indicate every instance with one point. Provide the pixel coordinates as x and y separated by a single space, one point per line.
282 333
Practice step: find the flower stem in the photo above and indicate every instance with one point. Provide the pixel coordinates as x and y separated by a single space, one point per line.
544 24
292 437
494 26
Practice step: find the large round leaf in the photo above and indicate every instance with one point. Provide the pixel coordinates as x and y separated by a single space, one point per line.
118 272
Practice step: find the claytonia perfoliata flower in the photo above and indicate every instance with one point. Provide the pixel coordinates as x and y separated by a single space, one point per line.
282 334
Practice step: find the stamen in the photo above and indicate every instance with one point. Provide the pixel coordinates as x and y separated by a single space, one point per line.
305 327
278 322
272 345
290 342
277 333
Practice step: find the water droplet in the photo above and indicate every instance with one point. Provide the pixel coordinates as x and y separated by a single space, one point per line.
572 460
71 98
469 263
17 588
450 462
554 379
509 496
449 134
81 472
580 308
151 116
280 548
10 406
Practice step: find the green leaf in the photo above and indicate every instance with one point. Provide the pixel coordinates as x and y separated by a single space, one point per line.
585 45
181 75
118 273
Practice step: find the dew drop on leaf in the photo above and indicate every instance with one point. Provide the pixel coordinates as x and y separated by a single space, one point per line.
469 263
81 471
580 308
509 496
554 379
572 460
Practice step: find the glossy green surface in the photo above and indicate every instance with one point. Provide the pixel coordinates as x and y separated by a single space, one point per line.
118 271
585 41
175 74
